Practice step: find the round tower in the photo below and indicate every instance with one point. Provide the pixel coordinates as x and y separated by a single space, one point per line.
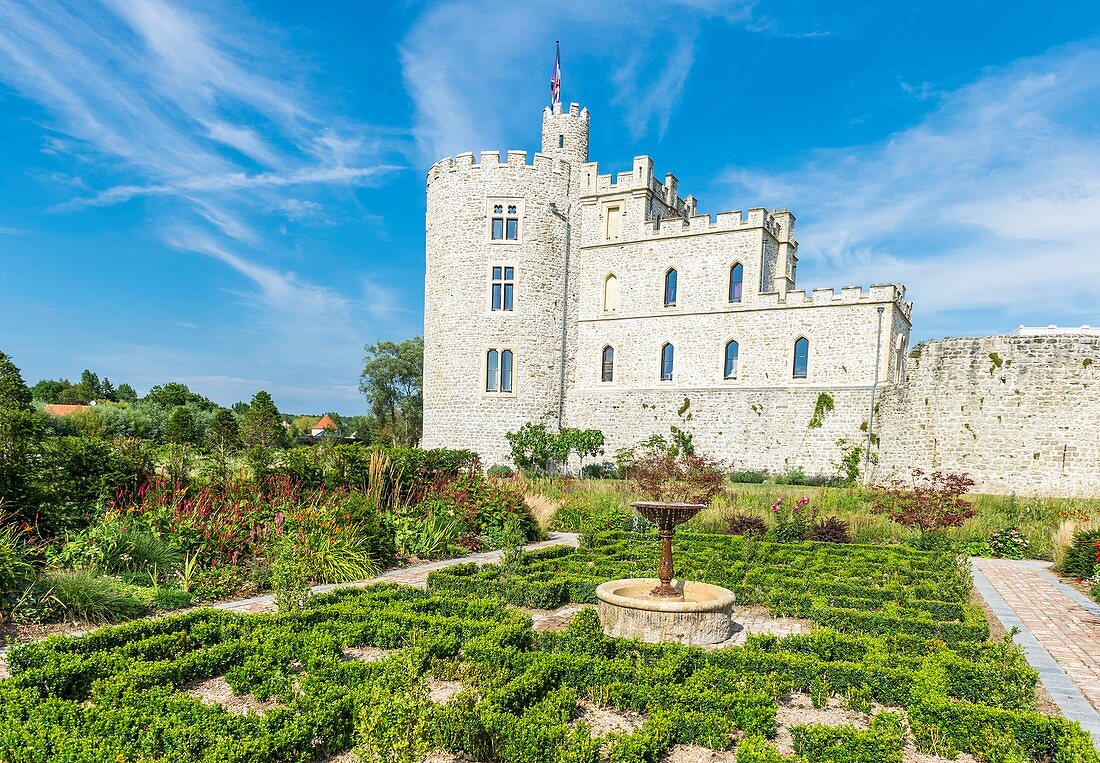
565 133
493 295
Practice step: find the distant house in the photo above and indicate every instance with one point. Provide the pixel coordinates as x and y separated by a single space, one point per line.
58 409
325 425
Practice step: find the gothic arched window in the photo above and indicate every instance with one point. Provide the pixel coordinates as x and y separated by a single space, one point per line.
506 371
730 367
611 294
737 280
492 371
607 364
667 358
801 357
670 288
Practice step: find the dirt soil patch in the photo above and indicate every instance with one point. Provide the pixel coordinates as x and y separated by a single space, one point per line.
441 692
603 720
693 753
365 654
215 691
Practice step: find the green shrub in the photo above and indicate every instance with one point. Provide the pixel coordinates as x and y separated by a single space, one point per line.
15 563
83 596
1081 558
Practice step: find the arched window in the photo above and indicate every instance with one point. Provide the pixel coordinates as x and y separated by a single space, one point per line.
611 294
801 357
670 288
730 370
737 280
607 365
667 357
506 371
492 371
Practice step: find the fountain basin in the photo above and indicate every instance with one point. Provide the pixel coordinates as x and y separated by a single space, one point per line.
699 614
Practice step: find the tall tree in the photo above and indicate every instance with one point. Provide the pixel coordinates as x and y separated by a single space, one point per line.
126 394
174 394
262 425
14 394
90 386
393 382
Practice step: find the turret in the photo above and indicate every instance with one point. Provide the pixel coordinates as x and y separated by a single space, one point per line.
565 133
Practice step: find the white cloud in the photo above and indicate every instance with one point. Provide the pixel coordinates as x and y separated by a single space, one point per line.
209 118
990 203
462 61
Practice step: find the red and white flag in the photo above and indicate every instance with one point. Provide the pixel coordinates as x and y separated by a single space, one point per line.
555 78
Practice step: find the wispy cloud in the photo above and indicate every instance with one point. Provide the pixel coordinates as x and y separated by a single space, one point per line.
462 59
992 202
206 118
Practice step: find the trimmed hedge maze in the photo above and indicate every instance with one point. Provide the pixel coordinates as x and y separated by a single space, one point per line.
896 631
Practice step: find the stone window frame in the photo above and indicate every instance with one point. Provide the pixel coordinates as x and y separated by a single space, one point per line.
603 296
664 289
520 217
729 283
739 373
501 263
661 363
809 360
484 376
603 364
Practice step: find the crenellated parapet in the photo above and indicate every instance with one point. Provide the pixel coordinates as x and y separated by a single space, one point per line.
488 161
848 295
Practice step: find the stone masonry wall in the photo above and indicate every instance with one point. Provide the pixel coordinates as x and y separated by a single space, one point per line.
1019 414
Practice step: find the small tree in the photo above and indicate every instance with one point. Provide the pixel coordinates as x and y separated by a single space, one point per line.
583 442
533 447
393 382
928 502
687 478
180 429
262 425
223 435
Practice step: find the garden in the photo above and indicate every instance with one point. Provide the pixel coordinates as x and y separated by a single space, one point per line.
897 654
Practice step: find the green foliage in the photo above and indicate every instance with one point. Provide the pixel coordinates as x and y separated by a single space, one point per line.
14 394
174 394
822 407
393 382
180 429
533 447
262 426
81 596
525 687
1082 557
16 567
851 460
118 543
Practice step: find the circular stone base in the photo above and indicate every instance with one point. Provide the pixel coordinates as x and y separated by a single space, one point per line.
701 615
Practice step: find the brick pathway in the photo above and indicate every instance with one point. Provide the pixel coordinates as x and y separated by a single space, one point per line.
1060 631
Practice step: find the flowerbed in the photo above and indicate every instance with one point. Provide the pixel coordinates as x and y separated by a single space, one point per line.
895 630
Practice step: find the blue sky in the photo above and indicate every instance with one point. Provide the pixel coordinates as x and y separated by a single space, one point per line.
232 194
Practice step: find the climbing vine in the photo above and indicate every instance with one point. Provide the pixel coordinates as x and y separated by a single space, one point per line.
825 404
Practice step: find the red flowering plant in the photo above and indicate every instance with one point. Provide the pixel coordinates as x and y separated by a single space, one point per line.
792 519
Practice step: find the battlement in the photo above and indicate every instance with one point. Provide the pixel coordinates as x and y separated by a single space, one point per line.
491 160
640 178
575 110
756 217
848 295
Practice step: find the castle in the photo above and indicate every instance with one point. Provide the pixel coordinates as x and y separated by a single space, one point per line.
557 294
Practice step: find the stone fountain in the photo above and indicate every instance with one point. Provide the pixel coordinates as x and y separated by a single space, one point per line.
662 608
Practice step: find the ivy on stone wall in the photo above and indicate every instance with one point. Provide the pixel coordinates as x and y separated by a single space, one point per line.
825 404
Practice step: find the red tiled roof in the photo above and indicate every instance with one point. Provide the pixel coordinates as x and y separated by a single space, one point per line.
57 409
326 422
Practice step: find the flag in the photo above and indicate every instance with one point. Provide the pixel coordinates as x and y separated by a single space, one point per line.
555 78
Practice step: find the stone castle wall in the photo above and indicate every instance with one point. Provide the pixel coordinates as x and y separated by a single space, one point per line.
1020 414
